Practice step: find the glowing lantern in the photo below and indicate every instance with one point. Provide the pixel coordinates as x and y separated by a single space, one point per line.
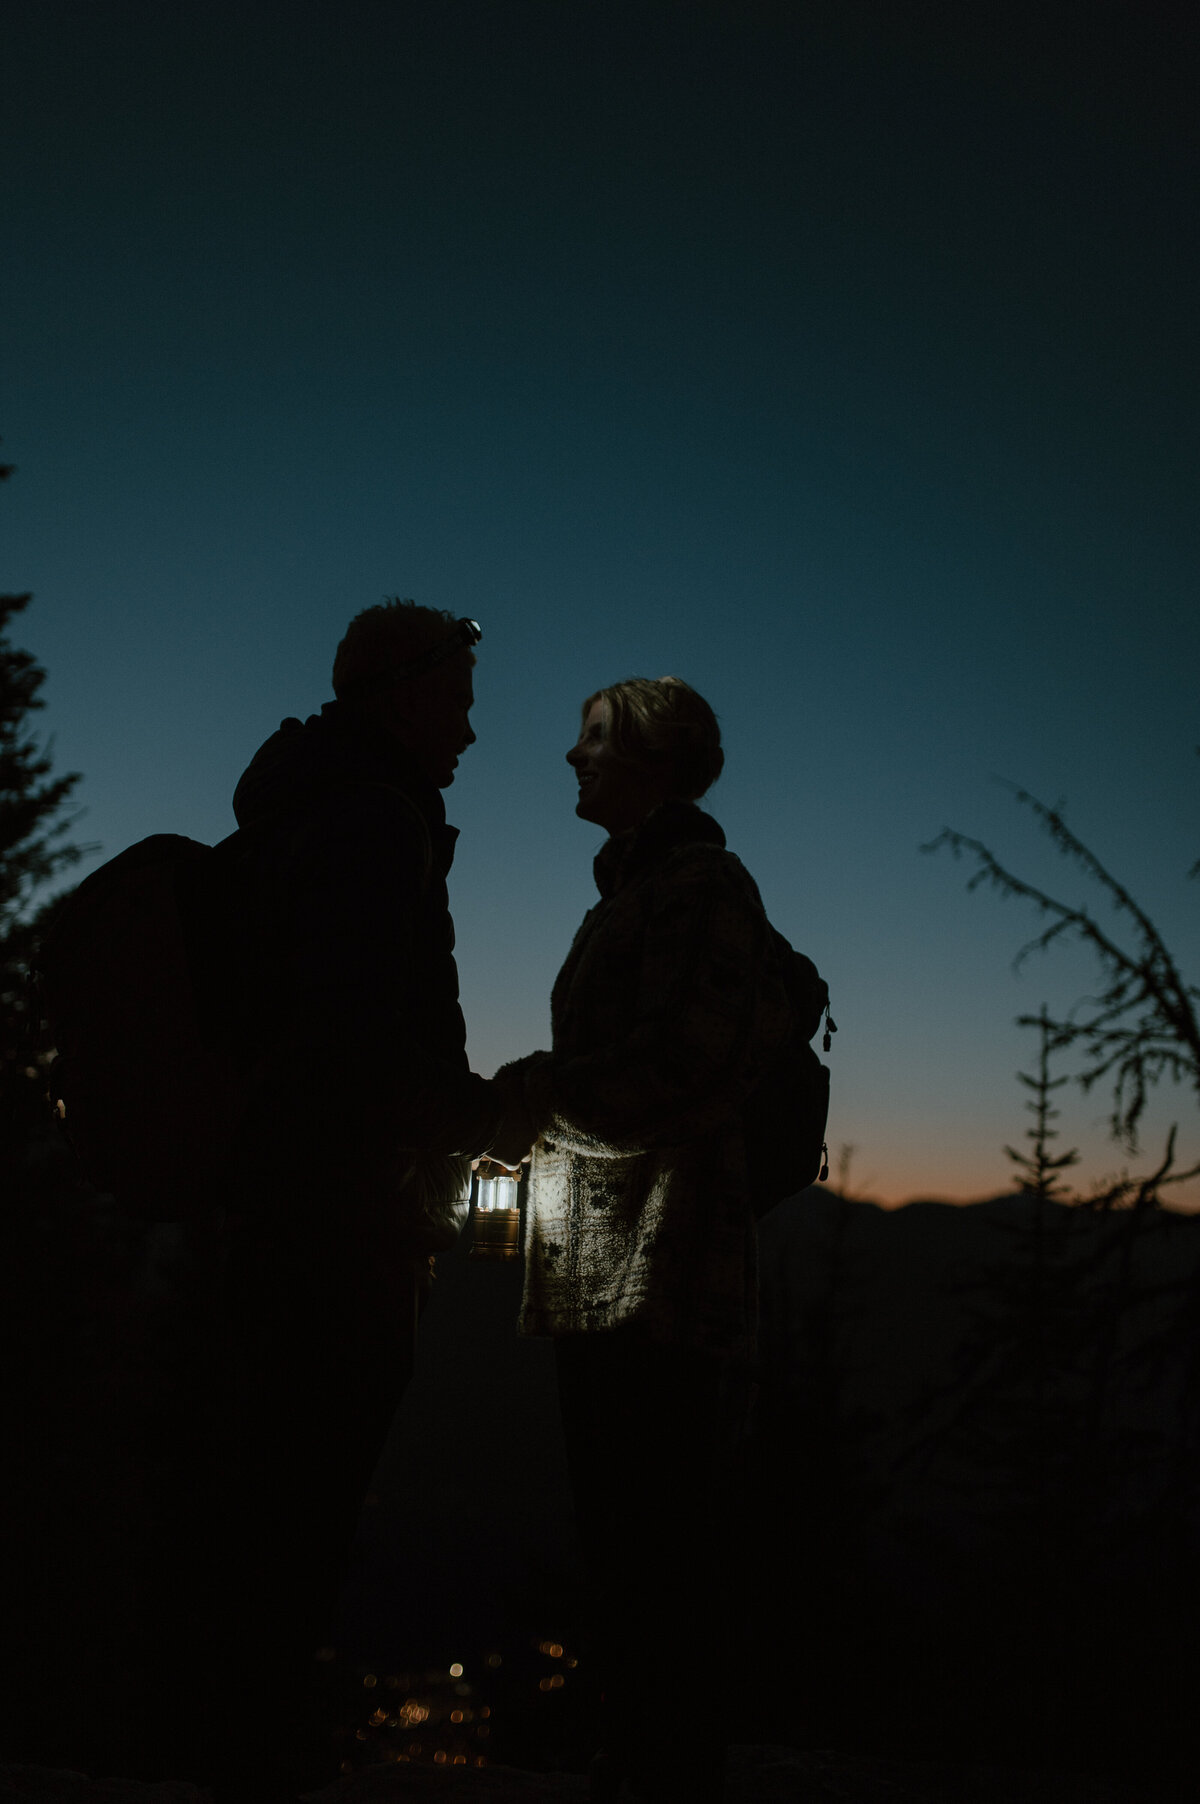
496 1213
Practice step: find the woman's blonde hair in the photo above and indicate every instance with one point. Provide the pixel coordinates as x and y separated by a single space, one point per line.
662 720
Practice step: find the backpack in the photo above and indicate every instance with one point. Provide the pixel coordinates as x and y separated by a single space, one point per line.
149 1100
144 982
784 1117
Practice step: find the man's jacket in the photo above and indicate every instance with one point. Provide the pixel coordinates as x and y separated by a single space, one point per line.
345 990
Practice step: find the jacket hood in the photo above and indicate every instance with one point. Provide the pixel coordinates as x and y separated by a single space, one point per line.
336 746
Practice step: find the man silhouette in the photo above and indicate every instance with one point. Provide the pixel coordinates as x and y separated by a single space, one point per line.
334 978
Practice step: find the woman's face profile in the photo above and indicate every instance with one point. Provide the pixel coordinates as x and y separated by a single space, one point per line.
613 792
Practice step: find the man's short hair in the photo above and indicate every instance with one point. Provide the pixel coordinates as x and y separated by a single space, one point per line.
381 640
662 720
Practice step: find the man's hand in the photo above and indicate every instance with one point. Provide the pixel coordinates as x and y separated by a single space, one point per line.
512 1145
487 1167
513 1140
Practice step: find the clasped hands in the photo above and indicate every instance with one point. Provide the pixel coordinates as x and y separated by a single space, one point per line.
512 1143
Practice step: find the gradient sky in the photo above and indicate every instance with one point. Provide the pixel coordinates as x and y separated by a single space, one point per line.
839 358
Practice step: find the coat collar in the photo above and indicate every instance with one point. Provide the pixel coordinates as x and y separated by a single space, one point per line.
338 746
626 855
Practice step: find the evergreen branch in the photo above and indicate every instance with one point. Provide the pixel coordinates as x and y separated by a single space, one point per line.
1142 1193
1071 846
1164 1038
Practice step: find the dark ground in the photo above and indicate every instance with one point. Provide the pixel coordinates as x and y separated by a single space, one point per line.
917 1623
757 1775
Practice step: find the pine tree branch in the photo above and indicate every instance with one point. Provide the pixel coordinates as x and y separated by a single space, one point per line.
1142 1193
1164 1039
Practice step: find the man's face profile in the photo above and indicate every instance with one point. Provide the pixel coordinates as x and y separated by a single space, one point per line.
431 715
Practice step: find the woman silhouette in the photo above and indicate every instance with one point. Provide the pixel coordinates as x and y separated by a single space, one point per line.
640 1243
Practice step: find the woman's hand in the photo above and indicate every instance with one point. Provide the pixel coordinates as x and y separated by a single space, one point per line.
488 1167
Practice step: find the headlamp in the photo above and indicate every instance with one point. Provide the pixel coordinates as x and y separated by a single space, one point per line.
465 634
